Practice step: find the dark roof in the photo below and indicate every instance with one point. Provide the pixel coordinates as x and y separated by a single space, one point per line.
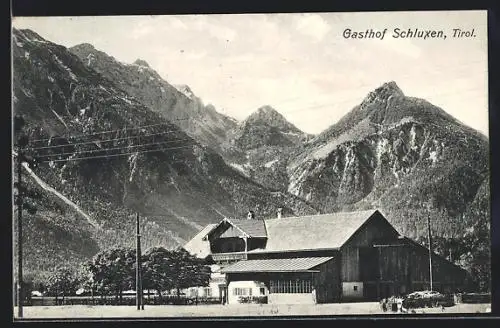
324 231
252 228
313 232
301 264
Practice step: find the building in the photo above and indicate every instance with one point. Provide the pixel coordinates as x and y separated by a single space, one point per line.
338 257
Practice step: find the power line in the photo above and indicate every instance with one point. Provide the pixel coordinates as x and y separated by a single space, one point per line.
115 148
115 155
108 140
110 131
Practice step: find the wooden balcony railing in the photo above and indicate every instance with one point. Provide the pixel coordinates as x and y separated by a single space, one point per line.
228 257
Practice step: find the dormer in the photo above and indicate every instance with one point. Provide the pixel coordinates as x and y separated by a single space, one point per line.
236 235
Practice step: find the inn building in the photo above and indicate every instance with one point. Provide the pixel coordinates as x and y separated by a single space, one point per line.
338 257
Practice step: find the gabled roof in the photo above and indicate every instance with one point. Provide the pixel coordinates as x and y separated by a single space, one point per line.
301 264
323 231
250 228
313 232
253 228
197 246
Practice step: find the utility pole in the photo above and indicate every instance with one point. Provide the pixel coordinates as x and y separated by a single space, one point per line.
19 234
138 278
430 247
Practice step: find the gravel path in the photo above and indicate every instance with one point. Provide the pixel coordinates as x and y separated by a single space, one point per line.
166 311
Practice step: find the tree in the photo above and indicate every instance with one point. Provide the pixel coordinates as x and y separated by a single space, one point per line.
158 270
169 269
63 282
113 270
191 271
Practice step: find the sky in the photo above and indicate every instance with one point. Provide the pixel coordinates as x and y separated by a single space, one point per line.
300 64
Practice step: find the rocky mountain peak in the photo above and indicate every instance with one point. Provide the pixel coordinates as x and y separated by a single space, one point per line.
383 93
85 47
185 89
267 116
267 110
270 116
389 88
141 62
27 34
267 127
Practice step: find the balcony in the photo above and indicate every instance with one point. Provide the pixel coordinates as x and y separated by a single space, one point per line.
229 257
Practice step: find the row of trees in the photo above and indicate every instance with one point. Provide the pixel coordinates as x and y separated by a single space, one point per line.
112 271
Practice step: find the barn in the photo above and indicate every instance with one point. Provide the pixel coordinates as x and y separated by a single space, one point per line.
337 257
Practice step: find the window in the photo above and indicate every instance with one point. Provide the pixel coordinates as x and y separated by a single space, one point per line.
355 288
290 286
242 291
207 291
262 291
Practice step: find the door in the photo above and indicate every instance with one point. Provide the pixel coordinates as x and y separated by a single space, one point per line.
223 294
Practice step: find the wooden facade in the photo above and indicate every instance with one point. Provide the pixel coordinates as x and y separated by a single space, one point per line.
373 262
404 267
327 281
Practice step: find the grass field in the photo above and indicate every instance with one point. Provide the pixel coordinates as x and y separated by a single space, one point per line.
169 311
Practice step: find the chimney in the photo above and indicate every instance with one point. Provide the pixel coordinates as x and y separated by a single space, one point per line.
280 211
250 215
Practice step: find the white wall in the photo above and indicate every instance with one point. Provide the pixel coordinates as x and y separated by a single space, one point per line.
254 285
216 278
349 292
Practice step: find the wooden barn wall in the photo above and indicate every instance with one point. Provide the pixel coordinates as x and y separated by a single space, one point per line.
375 229
395 264
350 264
409 265
442 270
327 281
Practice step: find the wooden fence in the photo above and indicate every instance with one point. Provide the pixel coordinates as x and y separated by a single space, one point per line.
126 300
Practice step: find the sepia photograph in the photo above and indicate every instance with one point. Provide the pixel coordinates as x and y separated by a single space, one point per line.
250 165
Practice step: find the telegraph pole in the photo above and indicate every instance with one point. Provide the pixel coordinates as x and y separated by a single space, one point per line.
138 278
19 234
430 247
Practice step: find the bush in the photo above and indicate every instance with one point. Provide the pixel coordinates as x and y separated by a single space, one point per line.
433 301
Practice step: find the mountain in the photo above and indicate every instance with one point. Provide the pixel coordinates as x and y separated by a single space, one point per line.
176 103
251 146
398 153
185 90
264 141
266 127
151 166
395 152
